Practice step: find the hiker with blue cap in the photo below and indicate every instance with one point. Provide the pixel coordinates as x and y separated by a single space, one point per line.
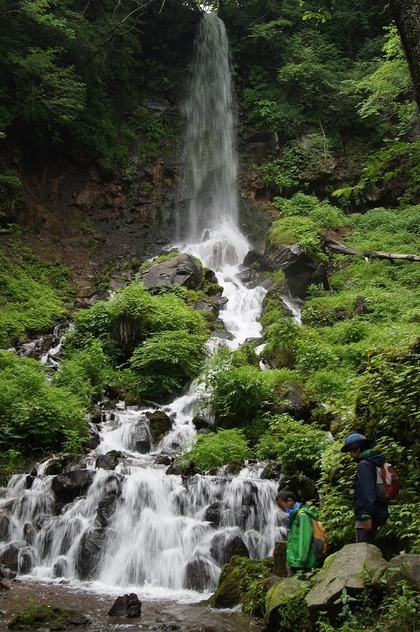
369 512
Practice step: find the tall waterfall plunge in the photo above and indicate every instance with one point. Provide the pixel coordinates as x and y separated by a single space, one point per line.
131 525
210 167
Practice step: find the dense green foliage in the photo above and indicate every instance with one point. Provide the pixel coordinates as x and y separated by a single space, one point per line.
32 296
221 448
36 415
158 342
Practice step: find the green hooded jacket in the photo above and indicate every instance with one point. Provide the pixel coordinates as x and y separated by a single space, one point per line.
299 553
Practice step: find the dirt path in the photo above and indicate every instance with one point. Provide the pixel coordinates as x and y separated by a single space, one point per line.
156 616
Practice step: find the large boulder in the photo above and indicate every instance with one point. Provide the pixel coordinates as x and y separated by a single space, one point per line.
236 576
180 270
106 509
17 556
301 270
291 398
4 526
349 569
109 461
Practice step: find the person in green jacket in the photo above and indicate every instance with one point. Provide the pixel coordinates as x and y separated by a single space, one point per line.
299 554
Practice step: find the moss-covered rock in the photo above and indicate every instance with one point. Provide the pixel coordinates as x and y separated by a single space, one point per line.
285 608
34 616
237 582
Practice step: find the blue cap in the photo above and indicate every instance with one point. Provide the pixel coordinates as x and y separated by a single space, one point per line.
357 440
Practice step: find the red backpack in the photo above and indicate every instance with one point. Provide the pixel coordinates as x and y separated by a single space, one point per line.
387 483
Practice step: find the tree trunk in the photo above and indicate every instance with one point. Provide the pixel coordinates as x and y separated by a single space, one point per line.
406 14
331 244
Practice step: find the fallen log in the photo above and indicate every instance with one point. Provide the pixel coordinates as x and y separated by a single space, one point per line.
331 244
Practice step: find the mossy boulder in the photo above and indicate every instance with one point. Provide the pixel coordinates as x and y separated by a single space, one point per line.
34 616
160 424
236 579
285 607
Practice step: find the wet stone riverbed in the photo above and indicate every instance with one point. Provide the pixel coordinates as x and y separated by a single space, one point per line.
156 616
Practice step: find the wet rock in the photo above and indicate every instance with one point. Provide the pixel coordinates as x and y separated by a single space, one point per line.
300 269
126 606
198 574
106 509
213 513
94 437
201 423
142 438
12 554
70 485
4 526
89 553
60 567
226 544
160 424
108 461
163 459
29 533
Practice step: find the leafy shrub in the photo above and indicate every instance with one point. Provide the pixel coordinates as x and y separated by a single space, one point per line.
32 296
238 395
226 447
387 401
34 412
297 446
165 362
280 345
325 216
86 373
301 230
135 313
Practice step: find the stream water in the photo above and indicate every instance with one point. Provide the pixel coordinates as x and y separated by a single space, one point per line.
160 540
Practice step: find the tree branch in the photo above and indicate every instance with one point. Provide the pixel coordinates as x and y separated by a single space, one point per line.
331 244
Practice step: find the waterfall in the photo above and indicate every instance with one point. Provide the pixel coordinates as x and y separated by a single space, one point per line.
132 524
209 181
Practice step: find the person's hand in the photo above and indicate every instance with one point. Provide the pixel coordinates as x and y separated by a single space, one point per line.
367 524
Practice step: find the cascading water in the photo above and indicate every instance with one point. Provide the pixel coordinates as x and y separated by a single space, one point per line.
210 177
130 524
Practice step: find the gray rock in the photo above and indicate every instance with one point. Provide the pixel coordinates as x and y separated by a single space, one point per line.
126 606
301 269
350 569
401 567
226 544
70 485
181 270
198 574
